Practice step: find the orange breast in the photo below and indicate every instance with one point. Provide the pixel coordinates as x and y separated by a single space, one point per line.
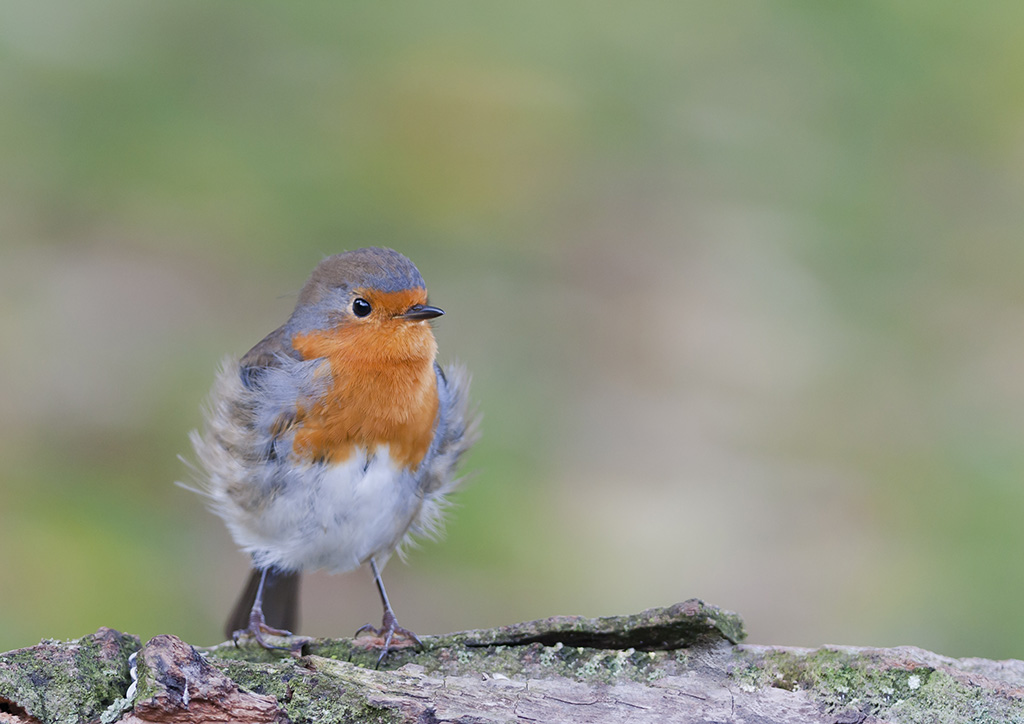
383 391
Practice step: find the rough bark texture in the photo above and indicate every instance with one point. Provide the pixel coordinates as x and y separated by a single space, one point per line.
677 664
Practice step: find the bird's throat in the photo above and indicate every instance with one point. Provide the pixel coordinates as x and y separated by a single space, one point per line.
382 391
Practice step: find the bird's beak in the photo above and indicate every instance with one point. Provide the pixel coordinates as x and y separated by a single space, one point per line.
421 311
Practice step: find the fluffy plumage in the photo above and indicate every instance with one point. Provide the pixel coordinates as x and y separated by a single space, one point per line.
337 437
300 514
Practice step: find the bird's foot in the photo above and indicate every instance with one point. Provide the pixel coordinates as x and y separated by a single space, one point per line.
388 630
258 628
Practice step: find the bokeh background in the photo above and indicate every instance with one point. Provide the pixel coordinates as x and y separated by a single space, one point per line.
741 285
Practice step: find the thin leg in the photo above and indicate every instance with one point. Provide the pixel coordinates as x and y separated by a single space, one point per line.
389 626
257 623
380 585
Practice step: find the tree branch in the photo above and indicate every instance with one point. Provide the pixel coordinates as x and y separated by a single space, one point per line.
678 664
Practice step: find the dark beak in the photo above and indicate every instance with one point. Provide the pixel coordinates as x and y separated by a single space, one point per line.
421 311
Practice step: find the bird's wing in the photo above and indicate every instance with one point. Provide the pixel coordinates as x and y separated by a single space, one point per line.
271 351
267 367
457 429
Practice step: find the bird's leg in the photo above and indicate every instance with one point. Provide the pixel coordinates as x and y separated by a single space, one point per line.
389 626
257 623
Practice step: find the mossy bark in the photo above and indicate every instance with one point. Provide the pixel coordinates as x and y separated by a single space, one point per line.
678 664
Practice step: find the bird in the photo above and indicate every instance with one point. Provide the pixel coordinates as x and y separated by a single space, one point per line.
335 441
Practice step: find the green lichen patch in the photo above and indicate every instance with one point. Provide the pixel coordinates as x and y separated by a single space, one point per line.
312 688
365 651
531 660
948 700
885 685
68 681
595 666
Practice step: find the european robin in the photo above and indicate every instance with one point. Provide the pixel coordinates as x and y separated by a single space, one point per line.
335 440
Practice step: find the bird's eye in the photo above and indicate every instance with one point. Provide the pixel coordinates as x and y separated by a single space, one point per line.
361 307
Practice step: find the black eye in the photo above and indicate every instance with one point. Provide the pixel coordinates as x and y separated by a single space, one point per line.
361 307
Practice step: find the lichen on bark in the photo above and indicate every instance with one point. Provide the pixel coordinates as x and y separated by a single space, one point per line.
58 681
678 664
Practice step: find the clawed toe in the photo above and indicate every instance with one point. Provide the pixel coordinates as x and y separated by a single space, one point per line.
388 630
258 628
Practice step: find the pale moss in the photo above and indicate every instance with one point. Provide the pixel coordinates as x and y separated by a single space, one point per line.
843 682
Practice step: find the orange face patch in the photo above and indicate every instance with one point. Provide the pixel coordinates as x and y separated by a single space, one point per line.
383 389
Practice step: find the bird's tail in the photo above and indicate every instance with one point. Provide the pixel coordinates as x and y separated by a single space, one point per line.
280 601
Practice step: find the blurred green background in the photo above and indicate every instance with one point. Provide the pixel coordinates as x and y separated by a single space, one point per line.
741 285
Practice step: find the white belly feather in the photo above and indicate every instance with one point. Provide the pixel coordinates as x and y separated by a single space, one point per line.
331 516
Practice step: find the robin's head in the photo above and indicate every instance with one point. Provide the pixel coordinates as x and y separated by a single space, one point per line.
373 301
